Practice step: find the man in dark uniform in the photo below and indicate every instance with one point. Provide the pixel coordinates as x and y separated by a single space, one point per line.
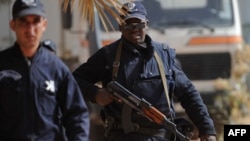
39 97
131 61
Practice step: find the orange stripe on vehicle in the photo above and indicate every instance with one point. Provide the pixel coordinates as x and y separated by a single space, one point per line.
106 42
215 40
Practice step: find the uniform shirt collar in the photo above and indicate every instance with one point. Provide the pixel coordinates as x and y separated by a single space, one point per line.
147 52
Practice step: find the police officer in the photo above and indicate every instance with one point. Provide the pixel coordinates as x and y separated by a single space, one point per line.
131 61
39 97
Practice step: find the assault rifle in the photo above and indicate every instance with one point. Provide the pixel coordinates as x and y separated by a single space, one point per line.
144 107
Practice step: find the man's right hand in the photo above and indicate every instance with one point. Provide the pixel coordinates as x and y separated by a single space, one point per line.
103 97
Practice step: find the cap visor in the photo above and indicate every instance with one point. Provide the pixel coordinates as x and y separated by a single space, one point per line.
141 17
30 12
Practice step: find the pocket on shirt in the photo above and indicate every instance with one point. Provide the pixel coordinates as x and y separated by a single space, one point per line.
150 89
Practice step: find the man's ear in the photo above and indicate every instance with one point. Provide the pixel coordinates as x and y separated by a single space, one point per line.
120 25
147 23
45 23
12 25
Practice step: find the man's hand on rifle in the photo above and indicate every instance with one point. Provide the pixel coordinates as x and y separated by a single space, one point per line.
103 97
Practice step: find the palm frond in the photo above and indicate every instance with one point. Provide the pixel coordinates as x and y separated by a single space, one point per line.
88 8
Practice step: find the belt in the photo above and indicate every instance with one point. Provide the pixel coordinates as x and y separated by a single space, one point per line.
155 132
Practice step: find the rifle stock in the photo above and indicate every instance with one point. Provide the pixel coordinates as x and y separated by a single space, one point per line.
143 106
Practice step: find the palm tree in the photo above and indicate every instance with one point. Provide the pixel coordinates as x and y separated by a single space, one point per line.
87 8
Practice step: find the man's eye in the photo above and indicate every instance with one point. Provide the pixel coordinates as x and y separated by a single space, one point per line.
131 26
141 25
22 23
25 22
37 20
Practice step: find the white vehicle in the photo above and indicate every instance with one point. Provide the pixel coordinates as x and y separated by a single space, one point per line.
245 19
205 33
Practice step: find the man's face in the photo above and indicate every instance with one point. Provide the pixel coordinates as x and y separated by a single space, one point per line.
134 30
29 30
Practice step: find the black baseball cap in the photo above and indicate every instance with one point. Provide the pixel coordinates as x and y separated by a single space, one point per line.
134 9
27 7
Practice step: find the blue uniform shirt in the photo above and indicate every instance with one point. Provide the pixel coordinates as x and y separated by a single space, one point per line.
40 99
139 73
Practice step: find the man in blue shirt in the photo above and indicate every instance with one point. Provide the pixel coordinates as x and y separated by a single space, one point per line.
131 61
39 97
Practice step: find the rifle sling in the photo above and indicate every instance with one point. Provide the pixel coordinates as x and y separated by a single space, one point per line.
127 125
163 78
116 63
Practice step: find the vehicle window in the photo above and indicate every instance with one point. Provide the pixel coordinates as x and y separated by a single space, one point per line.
181 4
165 13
